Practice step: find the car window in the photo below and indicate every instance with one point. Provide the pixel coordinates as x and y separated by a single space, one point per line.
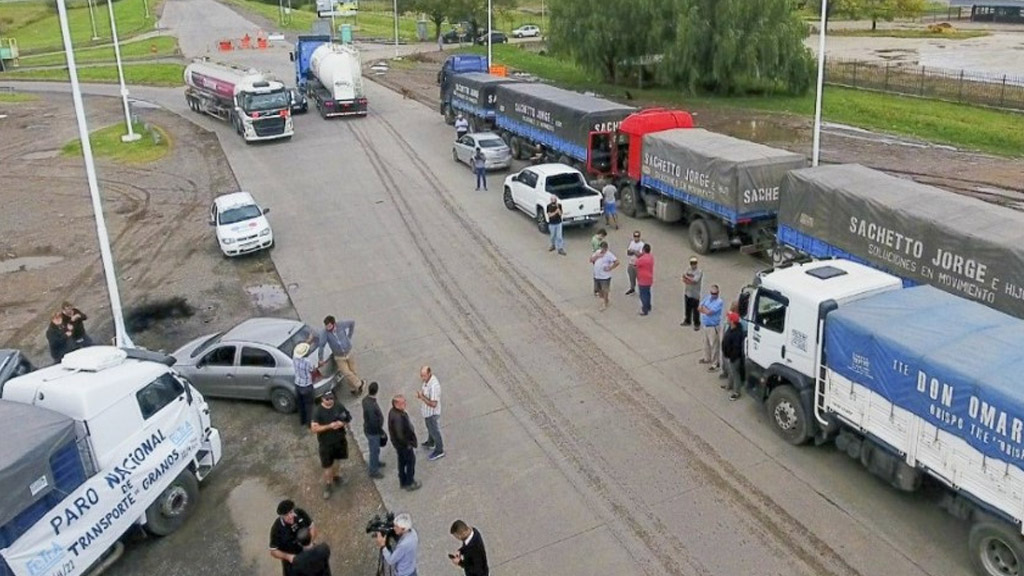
529 178
240 214
256 358
466 141
304 334
490 142
157 394
221 356
212 339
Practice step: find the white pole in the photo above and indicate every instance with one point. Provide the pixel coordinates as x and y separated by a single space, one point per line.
145 8
120 334
131 136
396 28
816 148
334 27
490 59
92 19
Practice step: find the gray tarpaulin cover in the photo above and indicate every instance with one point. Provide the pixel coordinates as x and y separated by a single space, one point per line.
30 436
698 166
568 115
962 245
474 91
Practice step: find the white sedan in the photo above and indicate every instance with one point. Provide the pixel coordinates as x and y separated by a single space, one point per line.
526 31
496 153
241 225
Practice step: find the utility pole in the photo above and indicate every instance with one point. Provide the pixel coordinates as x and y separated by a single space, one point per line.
92 19
396 28
131 136
816 148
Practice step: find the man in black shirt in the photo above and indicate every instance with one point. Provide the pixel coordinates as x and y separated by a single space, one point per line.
471 556
329 421
373 429
554 213
314 560
76 319
403 438
284 543
58 336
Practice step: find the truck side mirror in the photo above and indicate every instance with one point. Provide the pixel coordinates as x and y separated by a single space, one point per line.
291 56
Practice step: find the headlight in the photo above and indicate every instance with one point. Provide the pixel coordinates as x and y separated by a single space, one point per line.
265 232
227 240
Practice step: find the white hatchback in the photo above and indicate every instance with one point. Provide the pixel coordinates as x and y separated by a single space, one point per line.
526 31
241 224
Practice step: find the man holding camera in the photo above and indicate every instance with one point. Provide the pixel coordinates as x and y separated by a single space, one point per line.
403 558
329 421
284 534
471 556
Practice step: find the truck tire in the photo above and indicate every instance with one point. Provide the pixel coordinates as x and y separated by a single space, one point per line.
700 236
516 146
283 400
630 203
542 223
996 548
787 415
506 197
449 115
174 505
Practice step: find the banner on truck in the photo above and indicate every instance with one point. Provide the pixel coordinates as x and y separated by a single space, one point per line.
76 533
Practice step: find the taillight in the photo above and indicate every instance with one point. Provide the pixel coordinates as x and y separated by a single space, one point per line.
255 115
362 100
284 113
330 104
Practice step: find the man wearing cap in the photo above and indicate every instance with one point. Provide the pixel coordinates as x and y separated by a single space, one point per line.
284 533
461 126
732 349
710 309
329 421
303 381
692 277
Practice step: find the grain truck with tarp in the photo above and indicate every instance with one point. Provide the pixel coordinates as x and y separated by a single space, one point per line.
920 233
473 94
725 188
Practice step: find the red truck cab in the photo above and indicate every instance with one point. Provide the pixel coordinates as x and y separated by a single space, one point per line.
624 144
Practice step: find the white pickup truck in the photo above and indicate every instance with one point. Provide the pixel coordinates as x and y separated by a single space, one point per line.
530 190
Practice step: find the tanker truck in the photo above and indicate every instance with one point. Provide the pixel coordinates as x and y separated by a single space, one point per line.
331 74
258 107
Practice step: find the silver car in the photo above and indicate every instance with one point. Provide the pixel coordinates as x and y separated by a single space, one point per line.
496 153
252 361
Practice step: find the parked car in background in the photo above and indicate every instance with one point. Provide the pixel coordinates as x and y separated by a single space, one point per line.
526 31
496 38
241 225
496 153
252 361
299 103
455 37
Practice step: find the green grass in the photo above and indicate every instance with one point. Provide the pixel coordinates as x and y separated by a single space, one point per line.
156 47
156 74
22 14
106 143
41 32
15 97
910 33
957 125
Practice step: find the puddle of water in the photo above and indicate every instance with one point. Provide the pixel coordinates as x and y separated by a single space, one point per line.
268 296
759 131
28 263
41 155
250 504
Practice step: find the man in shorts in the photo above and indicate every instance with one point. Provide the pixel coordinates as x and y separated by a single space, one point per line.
610 192
604 262
329 422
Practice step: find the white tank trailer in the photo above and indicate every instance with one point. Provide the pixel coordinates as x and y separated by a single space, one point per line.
336 81
258 107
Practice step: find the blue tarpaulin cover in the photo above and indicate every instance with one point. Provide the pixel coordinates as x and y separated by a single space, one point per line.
955 363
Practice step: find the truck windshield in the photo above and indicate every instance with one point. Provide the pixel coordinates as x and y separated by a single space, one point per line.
567 186
240 214
269 101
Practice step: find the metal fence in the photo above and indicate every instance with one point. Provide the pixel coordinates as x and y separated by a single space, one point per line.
991 90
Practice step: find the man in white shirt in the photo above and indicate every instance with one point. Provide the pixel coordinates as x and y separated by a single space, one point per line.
461 126
633 251
610 193
604 262
430 395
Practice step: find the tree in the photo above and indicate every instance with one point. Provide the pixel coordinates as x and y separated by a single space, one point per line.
876 10
436 11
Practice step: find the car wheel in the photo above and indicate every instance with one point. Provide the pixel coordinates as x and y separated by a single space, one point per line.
542 223
283 400
174 505
507 199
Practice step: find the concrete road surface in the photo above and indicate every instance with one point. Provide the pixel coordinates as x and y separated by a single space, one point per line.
579 442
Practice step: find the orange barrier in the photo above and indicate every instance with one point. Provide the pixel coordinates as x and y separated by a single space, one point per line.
261 43
246 42
225 45
499 70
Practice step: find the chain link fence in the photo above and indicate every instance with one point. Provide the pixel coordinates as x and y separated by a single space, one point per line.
991 90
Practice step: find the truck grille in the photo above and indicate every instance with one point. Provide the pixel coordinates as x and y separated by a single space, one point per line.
268 126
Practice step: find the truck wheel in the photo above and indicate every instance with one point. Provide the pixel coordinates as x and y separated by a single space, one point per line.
996 548
173 507
506 197
700 236
516 146
283 400
449 115
787 415
630 203
542 223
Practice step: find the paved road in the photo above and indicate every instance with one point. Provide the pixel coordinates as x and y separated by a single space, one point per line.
579 442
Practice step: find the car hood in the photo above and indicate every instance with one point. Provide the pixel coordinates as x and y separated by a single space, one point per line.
243 228
183 356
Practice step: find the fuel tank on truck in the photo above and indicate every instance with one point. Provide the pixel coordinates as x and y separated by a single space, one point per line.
339 69
220 79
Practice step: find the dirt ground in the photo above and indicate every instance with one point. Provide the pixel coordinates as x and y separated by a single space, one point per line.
164 252
987 177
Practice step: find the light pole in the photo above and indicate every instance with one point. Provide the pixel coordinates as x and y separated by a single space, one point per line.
121 337
145 8
92 19
816 148
334 27
131 136
490 59
396 28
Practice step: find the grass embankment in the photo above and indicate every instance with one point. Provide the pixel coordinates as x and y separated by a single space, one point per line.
910 33
106 143
155 74
16 97
37 29
156 47
957 125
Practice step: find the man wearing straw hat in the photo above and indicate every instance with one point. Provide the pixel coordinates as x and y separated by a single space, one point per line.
304 369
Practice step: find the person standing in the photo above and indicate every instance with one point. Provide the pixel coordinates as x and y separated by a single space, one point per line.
58 337
554 215
461 126
314 560
303 369
402 559
373 429
76 319
732 349
284 534
604 262
480 168
710 309
440 42
609 194
403 438
329 422
595 245
636 246
430 395
645 278
338 336
471 555
691 294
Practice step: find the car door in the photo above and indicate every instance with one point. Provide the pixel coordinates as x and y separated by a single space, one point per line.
522 188
464 147
257 368
766 332
214 374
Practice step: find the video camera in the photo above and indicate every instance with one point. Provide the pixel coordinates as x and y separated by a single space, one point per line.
382 525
